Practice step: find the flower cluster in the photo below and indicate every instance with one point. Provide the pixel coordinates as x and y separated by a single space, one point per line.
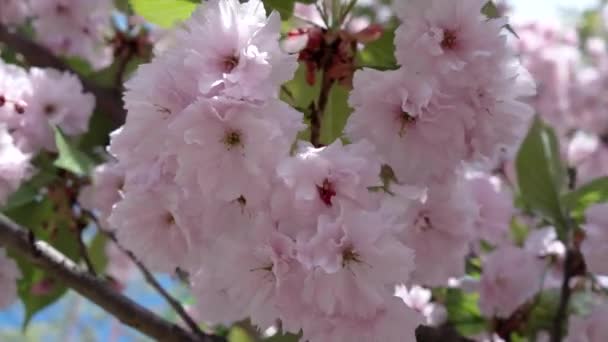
75 28
208 167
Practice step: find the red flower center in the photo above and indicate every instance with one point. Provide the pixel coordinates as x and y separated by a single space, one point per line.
326 192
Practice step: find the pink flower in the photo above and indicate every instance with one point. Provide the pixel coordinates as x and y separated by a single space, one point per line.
393 322
397 112
495 208
56 99
75 28
13 12
145 220
591 328
440 245
595 245
511 276
445 35
233 50
14 165
419 299
319 181
231 149
353 256
244 282
9 273
106 189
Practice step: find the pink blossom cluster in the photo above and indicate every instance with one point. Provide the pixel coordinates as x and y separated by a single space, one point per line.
571 86
34 101
74 28
31 103
210 179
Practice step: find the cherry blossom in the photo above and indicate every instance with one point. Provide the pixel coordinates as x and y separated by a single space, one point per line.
594 246
511 276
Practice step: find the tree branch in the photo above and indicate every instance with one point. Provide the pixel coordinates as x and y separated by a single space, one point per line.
177 307
100 292
109 101
574 265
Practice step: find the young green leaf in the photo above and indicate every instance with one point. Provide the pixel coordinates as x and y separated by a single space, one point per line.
164 13
71 158
541 175
587 195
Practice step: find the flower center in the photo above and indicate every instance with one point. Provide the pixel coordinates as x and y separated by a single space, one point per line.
349 255
232 139
406 120
49 109
230 63
326 192
169 219
449 40
423 222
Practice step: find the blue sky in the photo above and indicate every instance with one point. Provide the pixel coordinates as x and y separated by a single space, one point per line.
547 9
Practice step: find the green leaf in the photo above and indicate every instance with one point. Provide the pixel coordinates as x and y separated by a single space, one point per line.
284 7
97 252
379 54
164 13
463 311
541 175
587 195
71 158
47 225
336 114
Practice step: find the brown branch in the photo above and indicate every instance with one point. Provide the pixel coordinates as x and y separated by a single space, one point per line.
574 265
100 292
179 309
109 101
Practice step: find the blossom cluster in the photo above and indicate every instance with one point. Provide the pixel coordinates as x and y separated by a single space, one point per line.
32 103
209 177
74 28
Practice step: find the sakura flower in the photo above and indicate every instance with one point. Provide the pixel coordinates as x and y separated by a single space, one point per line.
320 180
108 181
495 208
419 299
233 50
13 12
511 276
14 165
9 273
56 99
396 112
353 255
231 149
591 328
394 322
14 86
445 35
244 283
74 28
439 229
145 220
500 118
594 247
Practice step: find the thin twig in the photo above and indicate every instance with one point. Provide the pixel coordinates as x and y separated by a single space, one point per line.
557 330
22 242
318 109
179 309
84 254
